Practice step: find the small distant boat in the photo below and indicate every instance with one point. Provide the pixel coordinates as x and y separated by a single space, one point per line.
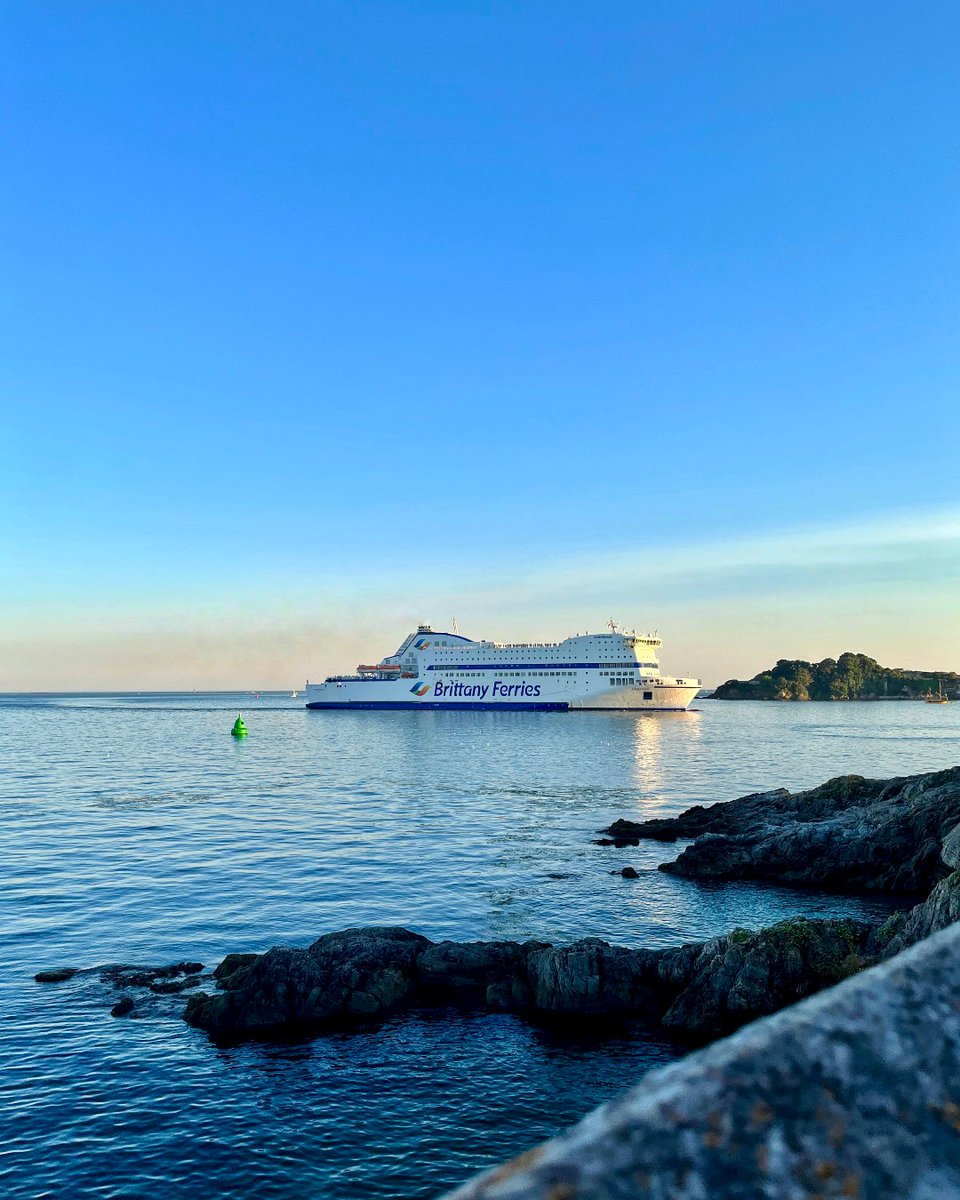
939 698
294 695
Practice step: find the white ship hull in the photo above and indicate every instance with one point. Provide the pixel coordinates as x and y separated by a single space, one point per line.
615 671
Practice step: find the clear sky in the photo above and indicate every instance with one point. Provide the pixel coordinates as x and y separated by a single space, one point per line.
320 319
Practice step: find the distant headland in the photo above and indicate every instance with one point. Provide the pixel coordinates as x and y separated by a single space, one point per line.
849 677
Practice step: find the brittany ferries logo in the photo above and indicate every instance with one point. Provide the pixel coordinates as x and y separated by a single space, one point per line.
422 644
420 689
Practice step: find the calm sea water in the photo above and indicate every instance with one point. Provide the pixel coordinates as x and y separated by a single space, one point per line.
135 829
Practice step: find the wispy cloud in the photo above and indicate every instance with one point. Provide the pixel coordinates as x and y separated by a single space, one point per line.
907 546
729 606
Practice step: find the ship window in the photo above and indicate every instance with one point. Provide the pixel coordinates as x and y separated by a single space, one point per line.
648 695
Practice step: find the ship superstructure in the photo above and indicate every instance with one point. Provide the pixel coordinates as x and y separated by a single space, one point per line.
436 670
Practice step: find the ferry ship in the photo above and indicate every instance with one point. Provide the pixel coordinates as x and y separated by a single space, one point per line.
431 670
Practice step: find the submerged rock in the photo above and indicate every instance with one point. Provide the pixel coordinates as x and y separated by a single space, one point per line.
56 976
849 834
171 987
149 977
123 1007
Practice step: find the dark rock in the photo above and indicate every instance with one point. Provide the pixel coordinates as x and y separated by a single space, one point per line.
171 987
850 834
123 1007
730 816
745 975
508 995
885 932
592 977
940 909
467 970
356 973
231 964
950 850
56 976
703 989
630 873
127 976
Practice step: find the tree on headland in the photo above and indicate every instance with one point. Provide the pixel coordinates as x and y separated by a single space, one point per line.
849 677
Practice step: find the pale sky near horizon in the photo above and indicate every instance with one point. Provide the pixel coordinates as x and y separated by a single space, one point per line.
322 319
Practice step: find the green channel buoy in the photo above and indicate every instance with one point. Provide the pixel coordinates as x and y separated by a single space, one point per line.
239 729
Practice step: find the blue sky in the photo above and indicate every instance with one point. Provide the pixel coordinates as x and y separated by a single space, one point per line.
320 318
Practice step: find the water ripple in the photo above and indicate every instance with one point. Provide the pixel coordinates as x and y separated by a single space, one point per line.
137 830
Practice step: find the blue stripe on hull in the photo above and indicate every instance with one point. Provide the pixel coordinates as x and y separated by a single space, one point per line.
544 666
468 705
626 708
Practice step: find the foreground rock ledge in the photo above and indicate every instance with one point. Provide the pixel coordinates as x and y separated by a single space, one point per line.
854 1093
704 989
358 974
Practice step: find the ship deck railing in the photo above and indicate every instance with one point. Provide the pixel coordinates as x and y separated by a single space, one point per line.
369 677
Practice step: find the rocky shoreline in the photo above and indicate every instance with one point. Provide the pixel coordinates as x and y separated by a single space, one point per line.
850 834
704 990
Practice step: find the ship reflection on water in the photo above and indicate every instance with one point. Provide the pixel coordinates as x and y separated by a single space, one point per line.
652 733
